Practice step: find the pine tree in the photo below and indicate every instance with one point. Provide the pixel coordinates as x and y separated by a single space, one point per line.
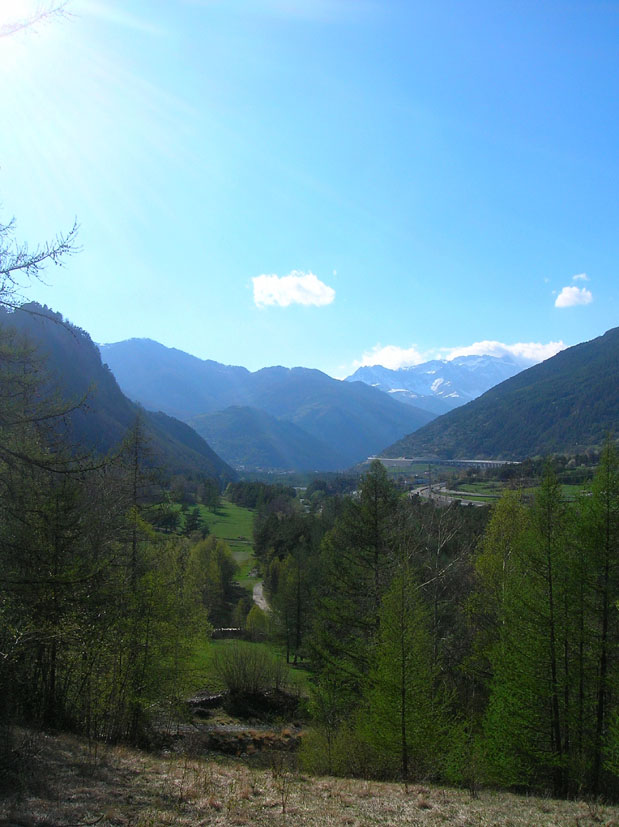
529 712
358 559
599 547
291 596
402 713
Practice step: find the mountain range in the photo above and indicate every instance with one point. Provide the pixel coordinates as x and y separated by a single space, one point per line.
100 424
566 404
302 419
343 422
440 385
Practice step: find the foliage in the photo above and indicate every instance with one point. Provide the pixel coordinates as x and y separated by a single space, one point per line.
402 712
214 568
553 689
329 705
98 613
244 669
516 644
358 559
257 494
257 623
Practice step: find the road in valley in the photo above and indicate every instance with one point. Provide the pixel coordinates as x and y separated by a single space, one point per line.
441 495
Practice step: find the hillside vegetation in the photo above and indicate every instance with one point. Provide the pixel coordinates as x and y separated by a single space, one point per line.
254 439
438 642
565 404
66 781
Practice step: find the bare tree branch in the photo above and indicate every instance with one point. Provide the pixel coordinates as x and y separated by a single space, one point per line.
18 261
42 15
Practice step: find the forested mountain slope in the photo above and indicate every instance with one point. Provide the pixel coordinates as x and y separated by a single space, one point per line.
352 419
102 421
254 439
567 403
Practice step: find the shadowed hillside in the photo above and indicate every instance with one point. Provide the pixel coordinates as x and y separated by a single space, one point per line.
101 422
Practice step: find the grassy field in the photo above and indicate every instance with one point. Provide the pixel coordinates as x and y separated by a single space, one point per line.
491 490
470 497
234 525
61 780
569 492
573 492
203 656
486 489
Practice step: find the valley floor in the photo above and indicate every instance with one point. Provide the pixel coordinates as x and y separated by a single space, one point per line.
64 781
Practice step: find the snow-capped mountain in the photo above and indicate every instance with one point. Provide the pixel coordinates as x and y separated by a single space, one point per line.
440 385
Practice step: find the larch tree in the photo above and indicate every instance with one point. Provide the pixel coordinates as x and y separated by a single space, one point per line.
401 710
528 719
358 560
598 630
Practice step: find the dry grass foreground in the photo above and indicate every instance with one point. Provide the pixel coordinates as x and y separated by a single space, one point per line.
66 782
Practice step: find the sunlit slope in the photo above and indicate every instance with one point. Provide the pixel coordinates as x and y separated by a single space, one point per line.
567 403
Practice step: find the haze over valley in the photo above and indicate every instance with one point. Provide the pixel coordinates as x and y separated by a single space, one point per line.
298 419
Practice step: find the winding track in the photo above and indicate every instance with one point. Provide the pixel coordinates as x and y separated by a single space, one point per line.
259 598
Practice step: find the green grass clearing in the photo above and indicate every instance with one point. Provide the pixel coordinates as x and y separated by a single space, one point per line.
492 490
569 492
201 664
482 488
467 496
234 524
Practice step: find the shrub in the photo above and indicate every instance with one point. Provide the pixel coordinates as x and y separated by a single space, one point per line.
245 669
350 755
257 623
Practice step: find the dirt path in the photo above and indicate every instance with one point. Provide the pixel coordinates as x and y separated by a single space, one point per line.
259 598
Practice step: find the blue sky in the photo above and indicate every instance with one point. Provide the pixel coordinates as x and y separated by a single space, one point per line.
320 182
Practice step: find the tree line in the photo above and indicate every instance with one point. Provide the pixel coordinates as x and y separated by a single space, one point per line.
99 610
467 644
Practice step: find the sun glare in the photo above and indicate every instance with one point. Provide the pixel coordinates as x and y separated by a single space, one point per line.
16 13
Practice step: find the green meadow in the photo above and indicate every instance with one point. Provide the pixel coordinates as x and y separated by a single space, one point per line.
234 524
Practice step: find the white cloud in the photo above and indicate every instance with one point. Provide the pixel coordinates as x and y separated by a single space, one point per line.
525 353
580 277
295 288
394 357
391 356
572 296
